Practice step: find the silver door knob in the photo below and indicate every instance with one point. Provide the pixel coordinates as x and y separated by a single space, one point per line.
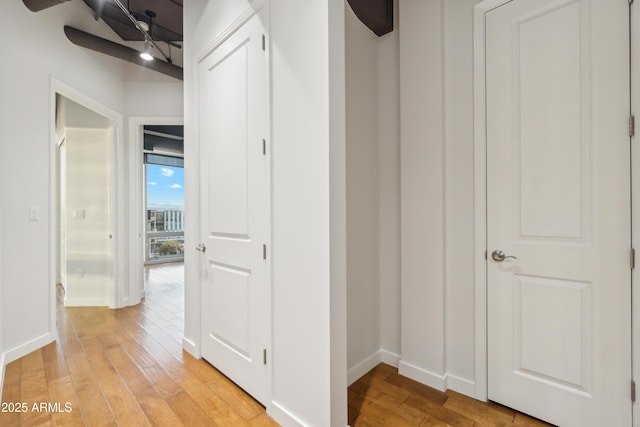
500 256
201 247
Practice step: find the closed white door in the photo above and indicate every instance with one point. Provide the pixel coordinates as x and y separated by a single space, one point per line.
558 200
235 208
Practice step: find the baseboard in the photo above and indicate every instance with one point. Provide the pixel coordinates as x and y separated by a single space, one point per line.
26 348
85 302
461 385
284 417
381 356
423 376
361 368
190 347
439 382
390 358
2 365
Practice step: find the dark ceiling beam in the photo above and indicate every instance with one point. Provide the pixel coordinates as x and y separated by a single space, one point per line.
38 5
375 14
116 50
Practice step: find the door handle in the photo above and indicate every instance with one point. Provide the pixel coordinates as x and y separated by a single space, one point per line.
201 247
500 256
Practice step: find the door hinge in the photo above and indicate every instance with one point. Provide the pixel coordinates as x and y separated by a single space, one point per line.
264 42
485 254
264 147
264 251
264 356
632 125
633 258
633 391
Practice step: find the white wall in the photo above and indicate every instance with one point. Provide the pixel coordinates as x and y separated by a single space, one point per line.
459 184
308 200
88 216
422 175
35 49
363 280
309 286
161 98
389 190
37 57
373 206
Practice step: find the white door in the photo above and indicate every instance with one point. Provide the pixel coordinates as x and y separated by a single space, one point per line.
558 199
235 208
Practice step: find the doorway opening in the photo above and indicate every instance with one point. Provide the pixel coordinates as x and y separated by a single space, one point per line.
85 205
163 156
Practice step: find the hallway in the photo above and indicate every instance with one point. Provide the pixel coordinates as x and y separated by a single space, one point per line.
125 367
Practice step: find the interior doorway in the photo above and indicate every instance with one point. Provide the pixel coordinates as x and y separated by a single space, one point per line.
163 158
85 203
157 143
553 85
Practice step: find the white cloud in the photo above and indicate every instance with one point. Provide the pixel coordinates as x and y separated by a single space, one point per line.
151 183
175 186
166 171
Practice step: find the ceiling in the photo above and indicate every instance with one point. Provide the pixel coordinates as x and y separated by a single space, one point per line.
162 20
165 22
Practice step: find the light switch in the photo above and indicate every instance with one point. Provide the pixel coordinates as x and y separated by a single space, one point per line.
34 213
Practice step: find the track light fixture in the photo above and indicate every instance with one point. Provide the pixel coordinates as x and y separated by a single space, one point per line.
146 52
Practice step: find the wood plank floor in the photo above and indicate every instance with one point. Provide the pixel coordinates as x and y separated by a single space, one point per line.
384 398
126 367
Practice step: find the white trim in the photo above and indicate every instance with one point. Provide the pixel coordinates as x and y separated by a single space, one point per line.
85 302
460 385
364 366
284 417
635 209
26 348
423 376
191 347
2 366
390 358
228 32
361 368
480 188
118 276
136 202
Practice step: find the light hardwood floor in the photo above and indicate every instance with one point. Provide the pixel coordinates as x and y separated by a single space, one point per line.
126 367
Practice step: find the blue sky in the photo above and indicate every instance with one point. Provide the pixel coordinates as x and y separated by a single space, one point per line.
165 186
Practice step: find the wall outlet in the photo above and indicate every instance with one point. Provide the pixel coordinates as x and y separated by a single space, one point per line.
78 214
79 273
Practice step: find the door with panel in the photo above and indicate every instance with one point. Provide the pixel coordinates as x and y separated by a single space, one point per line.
235 208
558 210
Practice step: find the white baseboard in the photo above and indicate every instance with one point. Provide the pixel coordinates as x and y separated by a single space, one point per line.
390 358
423 376
461 385
190 347
2 365
85 302
439 382
26 348
361 368
381 356
284 417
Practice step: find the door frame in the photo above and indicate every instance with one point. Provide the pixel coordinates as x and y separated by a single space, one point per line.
120 239
480 193
635 199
